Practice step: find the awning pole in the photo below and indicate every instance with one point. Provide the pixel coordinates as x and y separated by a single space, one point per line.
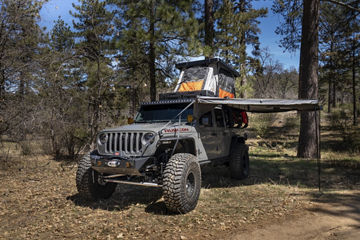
317 119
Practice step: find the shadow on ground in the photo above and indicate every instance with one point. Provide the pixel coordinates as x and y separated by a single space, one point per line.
123 197
265 169
341 204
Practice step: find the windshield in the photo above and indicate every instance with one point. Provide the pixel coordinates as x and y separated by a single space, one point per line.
162 113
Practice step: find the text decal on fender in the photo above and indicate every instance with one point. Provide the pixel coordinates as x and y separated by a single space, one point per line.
171 130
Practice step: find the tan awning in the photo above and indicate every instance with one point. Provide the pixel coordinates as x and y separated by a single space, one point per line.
262 105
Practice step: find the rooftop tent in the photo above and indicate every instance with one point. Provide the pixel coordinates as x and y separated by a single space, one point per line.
212 75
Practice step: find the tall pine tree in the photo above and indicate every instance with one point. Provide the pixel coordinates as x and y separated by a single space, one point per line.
237 28
93 30
20 45
156 32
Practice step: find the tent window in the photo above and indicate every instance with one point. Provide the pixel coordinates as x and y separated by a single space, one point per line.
226 86
195 74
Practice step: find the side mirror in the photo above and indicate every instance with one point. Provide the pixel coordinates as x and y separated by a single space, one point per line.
130 120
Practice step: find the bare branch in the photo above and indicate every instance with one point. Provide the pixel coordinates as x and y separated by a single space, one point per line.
347 5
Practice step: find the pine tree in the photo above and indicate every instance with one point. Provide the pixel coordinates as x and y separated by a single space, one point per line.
298 25
61 114
20 45
209 48
237 27
94 30
156 32
308 79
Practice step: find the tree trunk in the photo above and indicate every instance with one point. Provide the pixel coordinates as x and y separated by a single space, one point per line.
354 85
98 98
2 84
308 77
329 95
243 79
331 75
209 25
333 101
152 55
22 86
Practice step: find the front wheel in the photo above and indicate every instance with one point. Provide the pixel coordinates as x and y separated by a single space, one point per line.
89 183
182 183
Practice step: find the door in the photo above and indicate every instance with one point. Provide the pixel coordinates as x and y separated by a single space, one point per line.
207 130
223 134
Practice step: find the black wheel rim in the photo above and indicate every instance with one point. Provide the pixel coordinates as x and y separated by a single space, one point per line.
190 184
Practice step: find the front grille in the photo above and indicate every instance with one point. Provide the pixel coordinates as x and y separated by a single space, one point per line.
128 143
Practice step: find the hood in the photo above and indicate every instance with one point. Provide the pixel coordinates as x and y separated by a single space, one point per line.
140 127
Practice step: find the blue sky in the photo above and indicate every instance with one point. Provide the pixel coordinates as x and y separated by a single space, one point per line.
268 38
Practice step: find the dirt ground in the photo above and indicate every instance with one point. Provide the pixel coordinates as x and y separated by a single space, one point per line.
279 200
332 216
39 201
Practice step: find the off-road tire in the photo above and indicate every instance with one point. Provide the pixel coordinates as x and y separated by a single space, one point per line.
87 182
182 183
239 161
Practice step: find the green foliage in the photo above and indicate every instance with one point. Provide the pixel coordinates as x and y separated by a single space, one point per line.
94 29
341 121
290 27
150 36
61 36
20 40
236 28
339 51
262 124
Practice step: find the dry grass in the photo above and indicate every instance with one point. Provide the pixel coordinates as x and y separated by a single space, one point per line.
39 199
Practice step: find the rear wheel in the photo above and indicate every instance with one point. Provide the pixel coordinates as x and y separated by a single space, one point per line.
89 182
239 161
182 183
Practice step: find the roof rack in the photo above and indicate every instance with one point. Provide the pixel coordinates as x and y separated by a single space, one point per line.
185 95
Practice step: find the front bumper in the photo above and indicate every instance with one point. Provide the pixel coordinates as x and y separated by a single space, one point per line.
117 165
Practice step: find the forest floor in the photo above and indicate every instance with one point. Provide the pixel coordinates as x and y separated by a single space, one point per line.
280 199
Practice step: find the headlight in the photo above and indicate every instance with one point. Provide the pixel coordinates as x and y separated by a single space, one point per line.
102 138
148 138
